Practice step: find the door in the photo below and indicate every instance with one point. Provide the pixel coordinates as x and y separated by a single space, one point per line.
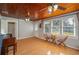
11 28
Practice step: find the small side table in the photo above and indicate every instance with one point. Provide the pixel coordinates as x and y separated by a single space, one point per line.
8 42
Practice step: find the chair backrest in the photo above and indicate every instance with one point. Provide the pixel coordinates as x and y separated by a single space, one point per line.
60 39
8 41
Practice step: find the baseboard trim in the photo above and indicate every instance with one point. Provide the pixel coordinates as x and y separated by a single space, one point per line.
72 47
25 38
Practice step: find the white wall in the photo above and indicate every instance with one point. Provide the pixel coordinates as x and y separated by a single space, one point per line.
36 28
22 29
25 29
4 25
3 28
38 32
78 23
72 42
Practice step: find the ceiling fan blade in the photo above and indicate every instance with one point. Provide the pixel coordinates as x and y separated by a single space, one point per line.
61 8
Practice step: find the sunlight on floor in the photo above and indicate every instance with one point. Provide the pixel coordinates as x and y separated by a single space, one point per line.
49 53
61 53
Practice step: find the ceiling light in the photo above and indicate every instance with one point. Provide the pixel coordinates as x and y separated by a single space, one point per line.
27 19
50 9
55 7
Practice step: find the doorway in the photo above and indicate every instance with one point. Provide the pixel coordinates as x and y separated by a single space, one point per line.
11 28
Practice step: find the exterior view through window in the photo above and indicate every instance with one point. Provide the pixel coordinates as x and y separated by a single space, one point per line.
61 26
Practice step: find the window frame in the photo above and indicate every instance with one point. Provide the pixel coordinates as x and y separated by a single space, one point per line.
61 32
54 26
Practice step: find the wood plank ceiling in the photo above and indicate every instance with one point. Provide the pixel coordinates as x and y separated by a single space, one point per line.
18 10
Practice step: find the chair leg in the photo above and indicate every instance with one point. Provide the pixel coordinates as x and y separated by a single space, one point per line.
2 51
6 51
13 50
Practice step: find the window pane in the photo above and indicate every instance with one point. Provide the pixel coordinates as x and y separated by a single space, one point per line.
68 30
56 26
56 22
68 22
68 26
55 30
47 28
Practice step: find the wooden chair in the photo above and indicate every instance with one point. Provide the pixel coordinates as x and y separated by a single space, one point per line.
61 41
47 36
8 42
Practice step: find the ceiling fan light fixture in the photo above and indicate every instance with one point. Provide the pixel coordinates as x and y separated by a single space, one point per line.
50 9
55 7
27 19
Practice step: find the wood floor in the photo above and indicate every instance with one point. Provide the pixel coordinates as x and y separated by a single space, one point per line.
35 46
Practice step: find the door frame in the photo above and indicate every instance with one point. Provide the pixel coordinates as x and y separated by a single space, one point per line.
14 26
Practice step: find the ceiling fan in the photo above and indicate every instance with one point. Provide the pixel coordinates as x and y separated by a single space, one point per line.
27 17
53 7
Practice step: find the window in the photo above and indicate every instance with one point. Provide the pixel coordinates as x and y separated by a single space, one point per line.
63 26
47 26
68 26
55 26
